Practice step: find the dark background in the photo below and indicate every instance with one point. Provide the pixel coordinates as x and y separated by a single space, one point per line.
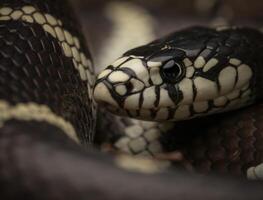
168 15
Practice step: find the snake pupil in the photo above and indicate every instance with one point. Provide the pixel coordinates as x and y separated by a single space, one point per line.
171 71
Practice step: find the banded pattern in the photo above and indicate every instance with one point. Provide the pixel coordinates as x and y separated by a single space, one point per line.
70 44
35 112
54 55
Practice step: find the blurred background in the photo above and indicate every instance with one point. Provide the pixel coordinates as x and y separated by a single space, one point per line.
113 27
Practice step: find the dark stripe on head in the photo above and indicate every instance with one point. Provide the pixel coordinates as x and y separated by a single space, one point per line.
174 93
157 93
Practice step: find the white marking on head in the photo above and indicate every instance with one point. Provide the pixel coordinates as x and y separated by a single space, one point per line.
118 76
186 87
165 100
187 62
121 89
155 76
210 64
199 62
235 61
227 79
137 85
149 97
154 64
205 89
104 73
119 61
244 75
138 68
132 101
102 94
190 72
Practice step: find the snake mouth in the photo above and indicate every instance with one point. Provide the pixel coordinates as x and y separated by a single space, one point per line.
175 112
231 101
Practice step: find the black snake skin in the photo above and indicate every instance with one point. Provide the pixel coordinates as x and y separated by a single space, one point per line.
38 160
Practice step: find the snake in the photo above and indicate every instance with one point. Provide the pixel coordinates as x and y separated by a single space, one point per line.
48 110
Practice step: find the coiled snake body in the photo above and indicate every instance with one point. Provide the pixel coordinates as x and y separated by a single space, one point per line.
47 106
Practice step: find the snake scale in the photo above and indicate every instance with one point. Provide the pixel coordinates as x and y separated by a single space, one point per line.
47 109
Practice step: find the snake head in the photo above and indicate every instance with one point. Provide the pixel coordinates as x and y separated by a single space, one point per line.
181 76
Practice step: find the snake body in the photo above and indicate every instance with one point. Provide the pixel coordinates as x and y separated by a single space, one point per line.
47 109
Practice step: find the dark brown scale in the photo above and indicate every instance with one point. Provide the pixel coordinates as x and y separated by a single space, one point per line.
227 143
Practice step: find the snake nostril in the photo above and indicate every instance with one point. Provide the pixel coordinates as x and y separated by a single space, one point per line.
129 87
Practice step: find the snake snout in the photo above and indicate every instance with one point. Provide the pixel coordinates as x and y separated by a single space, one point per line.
116 93
103 94
115 85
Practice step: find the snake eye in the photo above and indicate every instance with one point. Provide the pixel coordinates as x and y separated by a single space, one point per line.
172 72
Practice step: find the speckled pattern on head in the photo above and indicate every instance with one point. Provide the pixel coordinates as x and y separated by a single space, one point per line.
195 72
